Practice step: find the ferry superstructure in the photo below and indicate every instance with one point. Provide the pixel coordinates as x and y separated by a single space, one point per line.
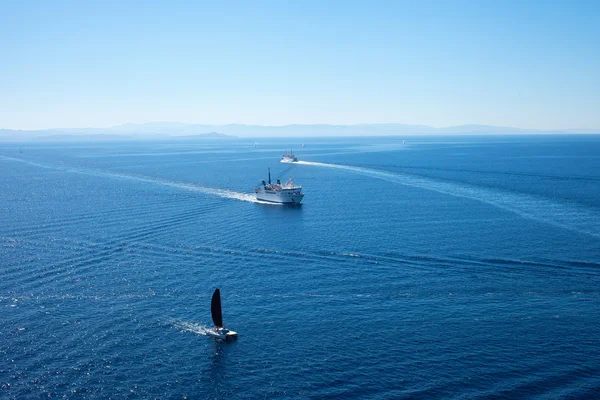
279 193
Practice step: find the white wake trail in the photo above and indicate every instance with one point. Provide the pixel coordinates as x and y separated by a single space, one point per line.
564 214
224 193
193 327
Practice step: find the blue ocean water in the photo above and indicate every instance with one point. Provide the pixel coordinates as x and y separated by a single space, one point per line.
446 267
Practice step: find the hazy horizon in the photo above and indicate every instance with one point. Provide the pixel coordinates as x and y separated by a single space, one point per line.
333 124
163 129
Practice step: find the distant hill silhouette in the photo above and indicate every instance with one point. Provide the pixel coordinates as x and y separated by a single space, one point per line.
158 130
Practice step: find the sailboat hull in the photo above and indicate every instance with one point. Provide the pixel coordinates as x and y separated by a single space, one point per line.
222 334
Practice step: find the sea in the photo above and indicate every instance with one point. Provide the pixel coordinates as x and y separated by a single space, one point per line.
464 267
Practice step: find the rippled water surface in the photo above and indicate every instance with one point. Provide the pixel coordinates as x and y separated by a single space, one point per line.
464 267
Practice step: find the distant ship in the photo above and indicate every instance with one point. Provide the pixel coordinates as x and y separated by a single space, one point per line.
288 157
278 193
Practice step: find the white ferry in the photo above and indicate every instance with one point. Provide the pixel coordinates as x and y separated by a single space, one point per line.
288 157
279 193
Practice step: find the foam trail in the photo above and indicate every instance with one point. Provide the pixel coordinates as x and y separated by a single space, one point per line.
224 193
193 327
563 214
227 194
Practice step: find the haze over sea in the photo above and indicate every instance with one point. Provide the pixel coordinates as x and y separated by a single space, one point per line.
463 267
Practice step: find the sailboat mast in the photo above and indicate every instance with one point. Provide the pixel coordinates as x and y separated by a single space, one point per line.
269 176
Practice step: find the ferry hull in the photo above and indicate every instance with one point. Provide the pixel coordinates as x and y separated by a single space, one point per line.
283 198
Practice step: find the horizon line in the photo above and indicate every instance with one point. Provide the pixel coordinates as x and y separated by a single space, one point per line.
306 124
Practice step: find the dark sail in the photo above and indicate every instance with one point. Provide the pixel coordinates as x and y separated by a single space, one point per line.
215 309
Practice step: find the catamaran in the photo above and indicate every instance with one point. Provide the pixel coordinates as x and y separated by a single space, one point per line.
217 316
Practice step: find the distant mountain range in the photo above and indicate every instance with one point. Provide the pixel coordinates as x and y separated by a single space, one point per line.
158 130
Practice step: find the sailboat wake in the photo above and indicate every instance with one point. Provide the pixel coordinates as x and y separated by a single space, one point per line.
193 327
564 214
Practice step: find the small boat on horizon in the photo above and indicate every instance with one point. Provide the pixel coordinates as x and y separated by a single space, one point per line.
219 332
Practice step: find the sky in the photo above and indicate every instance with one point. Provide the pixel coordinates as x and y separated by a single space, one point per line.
528 64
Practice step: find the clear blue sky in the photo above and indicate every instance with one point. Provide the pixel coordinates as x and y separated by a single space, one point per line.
530 64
